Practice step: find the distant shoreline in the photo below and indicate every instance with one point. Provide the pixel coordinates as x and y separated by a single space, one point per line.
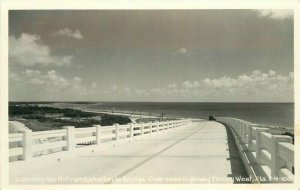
133 117
139 115
104 112
144 115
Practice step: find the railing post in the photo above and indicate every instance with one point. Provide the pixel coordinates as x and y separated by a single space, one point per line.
235 126
243 124
258 143
275 162
142 129
131 129
150 127
157 126
117 131
70 137
27 145
245 131
250 127
98 134
249 135
161 126
240 129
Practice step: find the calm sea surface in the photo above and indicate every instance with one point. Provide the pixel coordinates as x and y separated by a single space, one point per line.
278 114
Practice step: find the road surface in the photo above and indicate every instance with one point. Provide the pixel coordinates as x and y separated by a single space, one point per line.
203 152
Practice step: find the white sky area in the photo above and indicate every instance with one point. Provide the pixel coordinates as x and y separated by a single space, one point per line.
151 55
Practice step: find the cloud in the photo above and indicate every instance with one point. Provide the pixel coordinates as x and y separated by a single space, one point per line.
29 50
76 34
172 86
31 73
188 84
51 85
254 86
14 77
53 79
182 50
32 77
127 91
49 79
156 90
116 90
272 73
275 14
257 85
142 92
94 85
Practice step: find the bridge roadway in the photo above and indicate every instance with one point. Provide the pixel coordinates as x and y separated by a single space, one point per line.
203 152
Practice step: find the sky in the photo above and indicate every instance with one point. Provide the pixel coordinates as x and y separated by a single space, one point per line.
151 55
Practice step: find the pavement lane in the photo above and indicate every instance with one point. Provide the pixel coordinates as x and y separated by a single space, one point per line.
194 154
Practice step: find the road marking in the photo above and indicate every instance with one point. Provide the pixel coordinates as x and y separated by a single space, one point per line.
153 156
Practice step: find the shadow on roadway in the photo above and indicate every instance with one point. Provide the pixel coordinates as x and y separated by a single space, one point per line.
236 162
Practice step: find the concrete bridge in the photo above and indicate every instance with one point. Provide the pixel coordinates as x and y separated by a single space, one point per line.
179 151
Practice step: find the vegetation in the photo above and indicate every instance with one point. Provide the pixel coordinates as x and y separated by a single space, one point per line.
78 113
34 109
37 117
40 118
111 119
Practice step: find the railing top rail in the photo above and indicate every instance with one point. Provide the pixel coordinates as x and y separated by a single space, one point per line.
13 135
287 146
266 134
85 128
49 132
107 127
260 125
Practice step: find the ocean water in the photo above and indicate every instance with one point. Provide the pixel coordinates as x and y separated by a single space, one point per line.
277 114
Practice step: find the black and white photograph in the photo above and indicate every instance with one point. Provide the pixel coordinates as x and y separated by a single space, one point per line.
143 96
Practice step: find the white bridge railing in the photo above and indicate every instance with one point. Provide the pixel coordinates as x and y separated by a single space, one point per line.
268 155
27 144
